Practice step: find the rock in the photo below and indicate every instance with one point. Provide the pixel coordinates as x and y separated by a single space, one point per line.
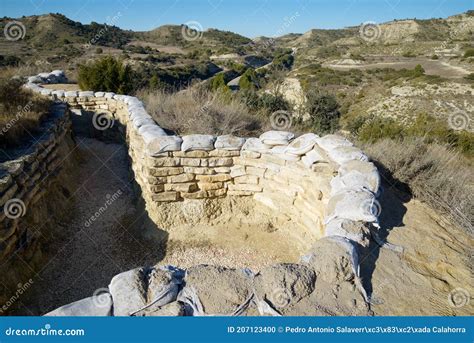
229 142
256 145
95 306
284 284
215 290
302 144
280 152
334 260
353 205
330 142
345 154
99 94
128 292
198 142
276 137
35 79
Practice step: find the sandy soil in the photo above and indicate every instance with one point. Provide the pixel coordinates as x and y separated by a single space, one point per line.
434 267
63 86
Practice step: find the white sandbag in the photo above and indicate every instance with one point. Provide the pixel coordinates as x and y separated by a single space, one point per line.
229 142
256 145
356 175
128 290
302 144
152 128
198 142
96 306
276 137
353 205
156 143
345 154
70 94
280 152
312 157
330 142
86 93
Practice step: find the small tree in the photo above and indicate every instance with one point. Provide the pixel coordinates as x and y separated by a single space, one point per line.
418 71
324 112
248 80
218 82
107 75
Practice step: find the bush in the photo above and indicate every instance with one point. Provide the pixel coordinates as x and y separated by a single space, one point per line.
248 80
324 112
434 173
219 82
200 110
20 112
106 75
418 71
271 103
99 51
469 53
434 57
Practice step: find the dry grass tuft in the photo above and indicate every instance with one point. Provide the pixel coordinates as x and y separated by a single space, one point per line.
20 112
435 174
201 111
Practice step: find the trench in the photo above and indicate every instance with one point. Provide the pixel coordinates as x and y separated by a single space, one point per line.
107 230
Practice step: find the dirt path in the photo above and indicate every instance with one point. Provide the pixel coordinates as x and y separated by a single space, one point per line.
100 240
434 269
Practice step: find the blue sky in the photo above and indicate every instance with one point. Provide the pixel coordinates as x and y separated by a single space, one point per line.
248 17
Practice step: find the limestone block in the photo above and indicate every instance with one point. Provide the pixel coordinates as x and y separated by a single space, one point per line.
240 193
250 154
190 162
157 188
273 158
237 171
220 162
276 137
245 187
311 157
187 177
199 170
165 171
224 153
250 179
192 154
255 171
165 196
198 142
210 186
181 187
222 170
156 180
214 178
164 162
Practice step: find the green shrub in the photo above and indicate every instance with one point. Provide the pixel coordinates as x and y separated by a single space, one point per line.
434 57
469 53
218 82
99 51
107 75
248 80
324 112
272 103
418 71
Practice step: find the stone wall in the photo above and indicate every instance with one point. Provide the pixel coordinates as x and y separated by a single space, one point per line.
26 178
325 184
